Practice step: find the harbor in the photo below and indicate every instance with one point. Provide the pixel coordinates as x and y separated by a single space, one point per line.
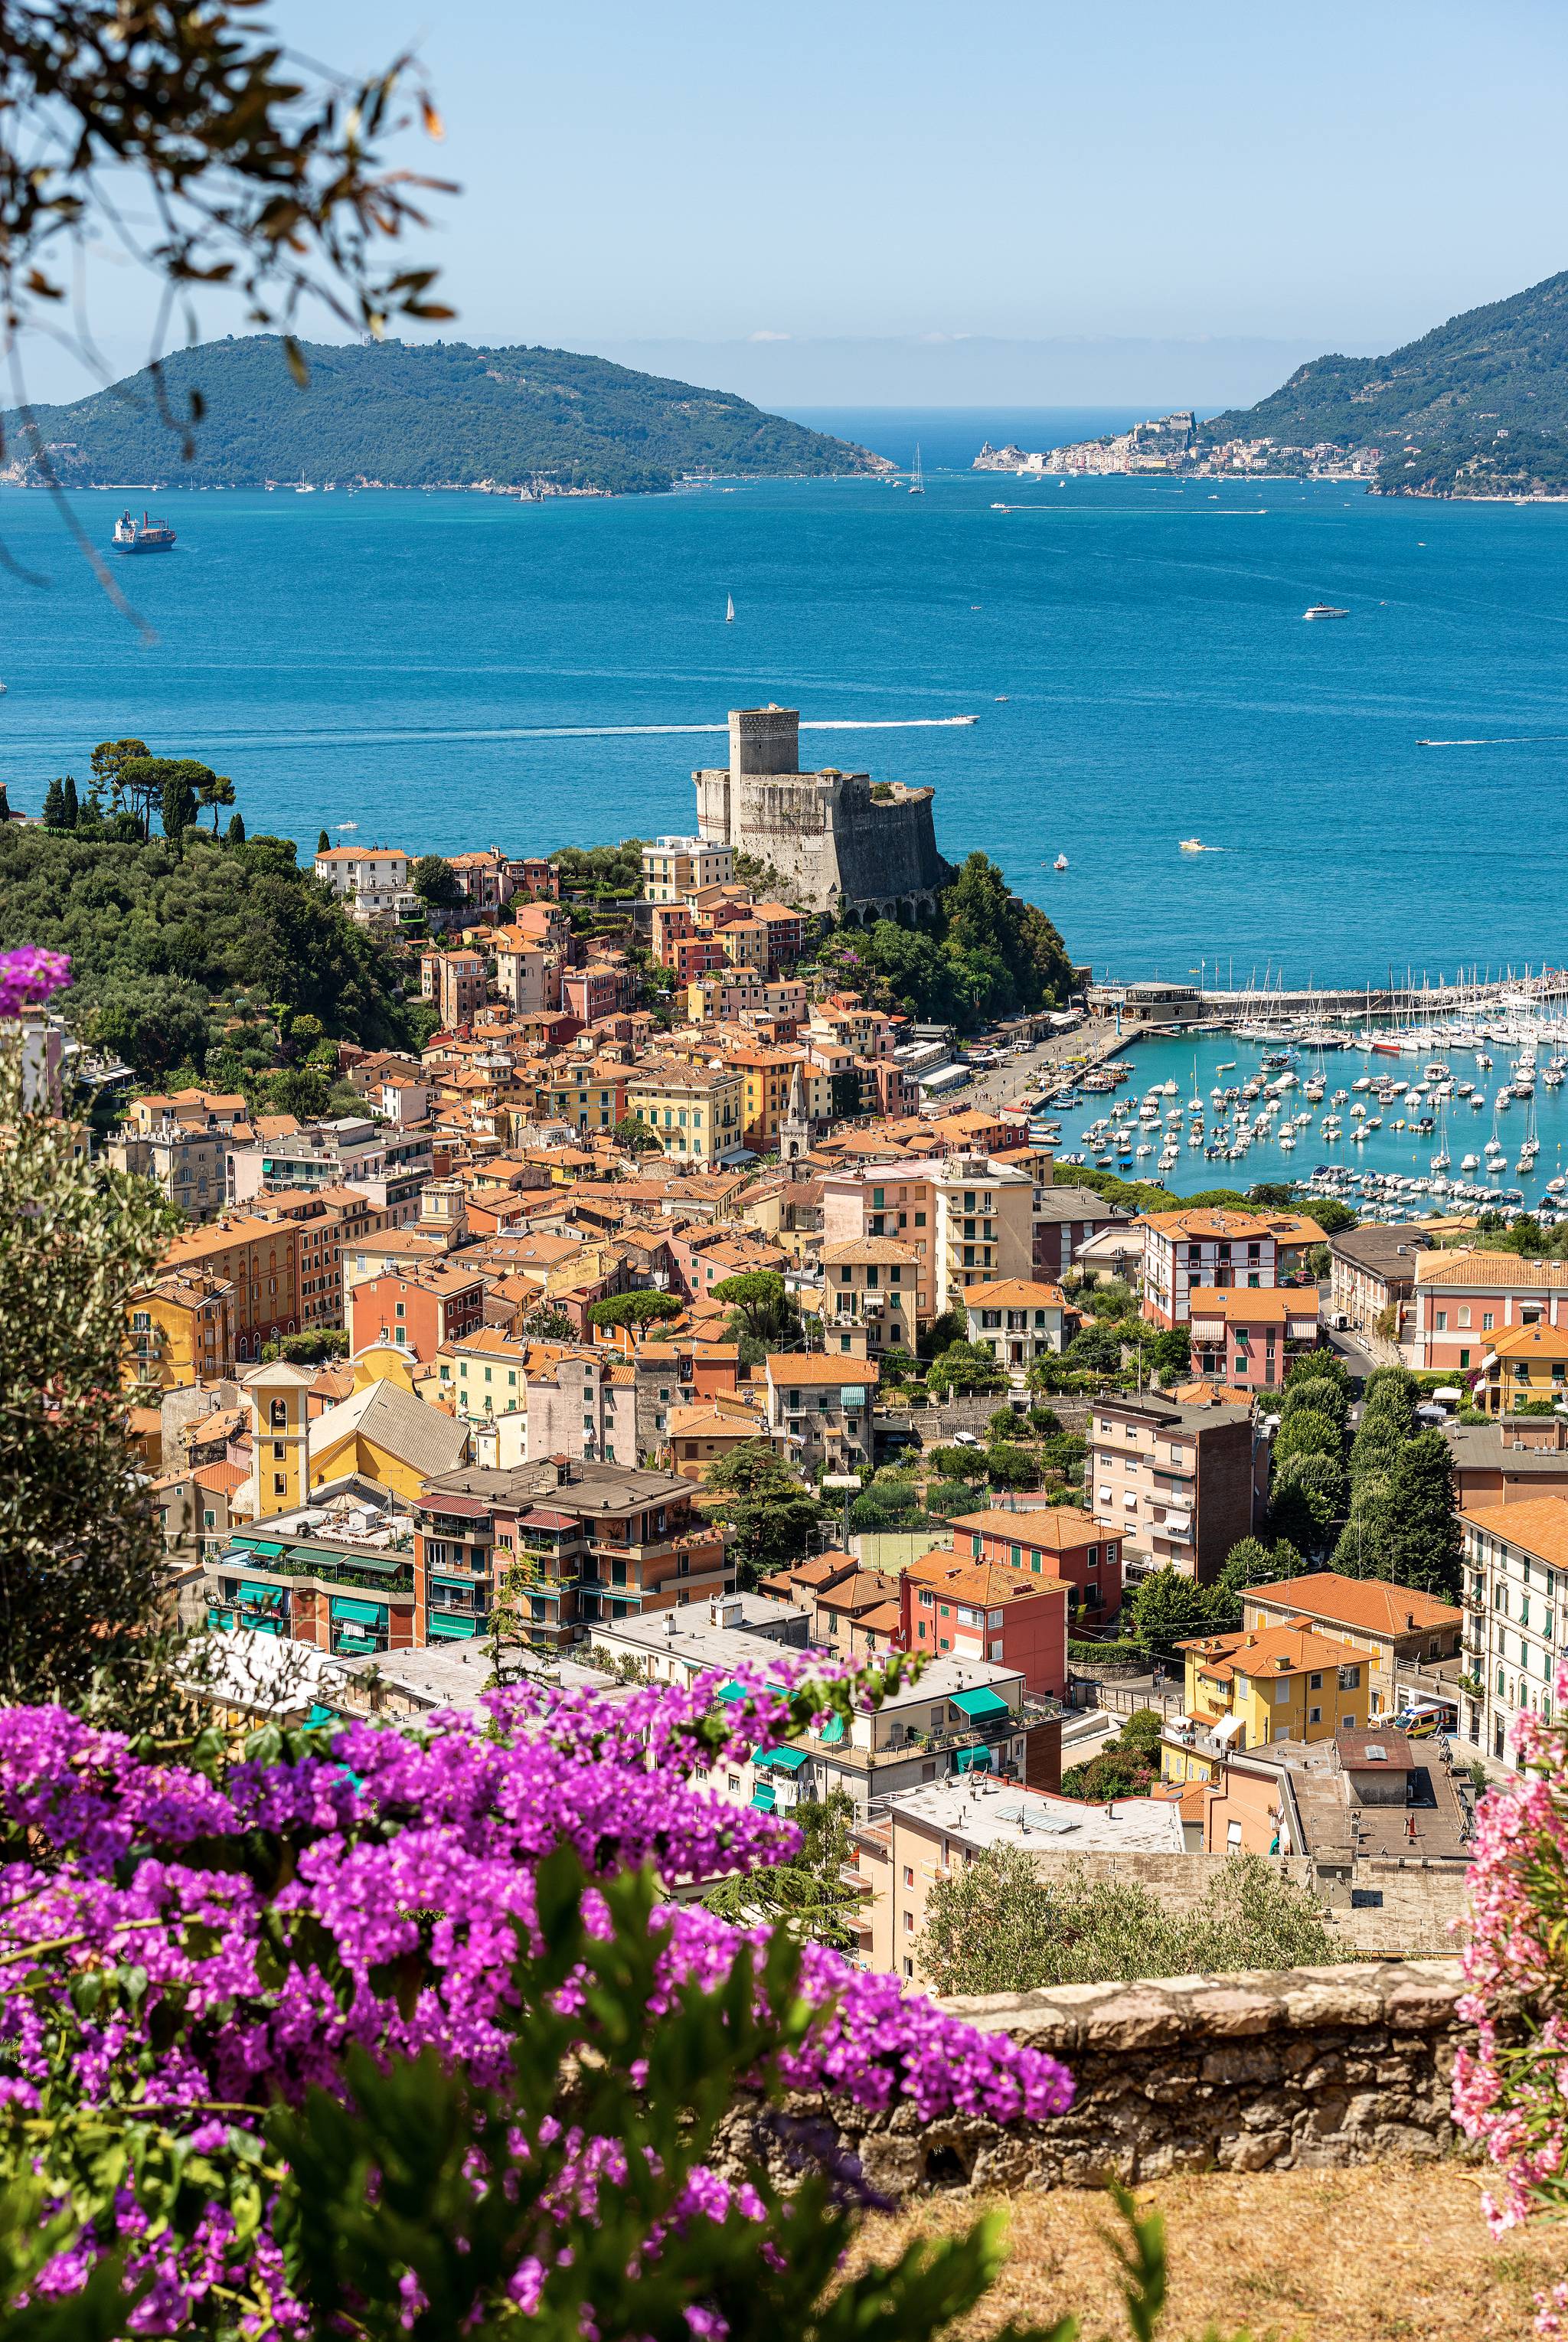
1395 1121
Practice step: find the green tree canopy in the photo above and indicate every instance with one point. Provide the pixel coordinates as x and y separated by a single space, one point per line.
1320 1392
434 882
1169 1607
760 1306
636 1309
965 1370
775 1518
1307 1432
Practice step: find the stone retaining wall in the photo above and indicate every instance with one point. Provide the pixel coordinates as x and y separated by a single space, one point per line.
1266 2070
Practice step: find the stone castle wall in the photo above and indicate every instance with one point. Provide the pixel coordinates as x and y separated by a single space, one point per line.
1301 2068
834 843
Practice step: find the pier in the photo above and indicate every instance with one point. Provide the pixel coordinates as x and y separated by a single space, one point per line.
1146 1006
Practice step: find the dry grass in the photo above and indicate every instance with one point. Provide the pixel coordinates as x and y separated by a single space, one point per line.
1386 2253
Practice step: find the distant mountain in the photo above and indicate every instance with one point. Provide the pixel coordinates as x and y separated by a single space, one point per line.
1477 407
406 415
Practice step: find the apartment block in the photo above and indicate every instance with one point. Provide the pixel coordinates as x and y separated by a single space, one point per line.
1038 1543
823 1407
1515 1590
873 1298
189 1164
259 1259
181 1330
1180 1483
984 1610
674 867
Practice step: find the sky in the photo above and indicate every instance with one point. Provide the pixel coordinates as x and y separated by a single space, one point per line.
937 203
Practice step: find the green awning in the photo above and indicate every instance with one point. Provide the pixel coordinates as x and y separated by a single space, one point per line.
452 1578
972 1761
355 1643
980 1703
271 1552
785 1760
363 1614
222 1619
832 1731
762 1796
452 1626
252 1592
319 1715
363 1560
733 1691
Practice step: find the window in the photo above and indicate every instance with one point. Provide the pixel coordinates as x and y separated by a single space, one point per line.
1315 1683
1315 1715
909 1874
1281 1691
1232 1838
909 1923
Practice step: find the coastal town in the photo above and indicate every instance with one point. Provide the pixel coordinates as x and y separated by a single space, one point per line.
679 1300
1175 442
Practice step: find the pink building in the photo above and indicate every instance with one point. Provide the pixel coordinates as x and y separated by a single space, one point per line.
1246 1339
1463 1298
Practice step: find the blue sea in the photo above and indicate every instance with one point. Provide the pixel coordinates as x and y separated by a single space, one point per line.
445 670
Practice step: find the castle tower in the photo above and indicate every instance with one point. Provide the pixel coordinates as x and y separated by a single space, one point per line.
832 845
278 1397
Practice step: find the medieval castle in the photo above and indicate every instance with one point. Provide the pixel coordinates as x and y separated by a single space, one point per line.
838 845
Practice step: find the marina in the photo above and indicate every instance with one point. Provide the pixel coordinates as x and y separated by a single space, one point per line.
1399 1122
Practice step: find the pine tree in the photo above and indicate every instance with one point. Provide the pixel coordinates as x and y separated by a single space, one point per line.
54 807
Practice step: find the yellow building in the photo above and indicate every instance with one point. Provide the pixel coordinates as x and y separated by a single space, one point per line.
277 1397
1263 1685
1525 1363
386 1435
699 1116
181 1330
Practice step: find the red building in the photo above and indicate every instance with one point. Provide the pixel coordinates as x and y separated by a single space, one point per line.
421 1309
1058 1542
959 1609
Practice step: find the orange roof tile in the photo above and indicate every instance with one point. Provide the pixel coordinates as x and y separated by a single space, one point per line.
1369 1605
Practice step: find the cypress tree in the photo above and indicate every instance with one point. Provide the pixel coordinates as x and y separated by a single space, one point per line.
71 807
54 807
237 830
323 843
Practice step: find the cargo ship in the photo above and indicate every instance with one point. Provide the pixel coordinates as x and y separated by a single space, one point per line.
142 537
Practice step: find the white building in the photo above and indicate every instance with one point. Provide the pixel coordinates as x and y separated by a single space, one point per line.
674 867
371 877
1514 1596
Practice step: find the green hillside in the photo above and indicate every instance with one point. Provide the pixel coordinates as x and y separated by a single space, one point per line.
407 416
1479 406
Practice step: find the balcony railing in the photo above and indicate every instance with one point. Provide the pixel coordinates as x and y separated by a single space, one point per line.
379 1581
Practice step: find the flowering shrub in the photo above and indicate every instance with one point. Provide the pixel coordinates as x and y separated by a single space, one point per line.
1510 2092
29 976
393 2023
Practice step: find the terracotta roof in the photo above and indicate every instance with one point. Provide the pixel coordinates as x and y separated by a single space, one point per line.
1206 1222
863 1591
1369 1605
887 1618
1257 1652
983 1583
1014 1293
1539 1524
791 1368
869 1251
1494 1270
1255 1304
1518 1341
223 1479
1061 1528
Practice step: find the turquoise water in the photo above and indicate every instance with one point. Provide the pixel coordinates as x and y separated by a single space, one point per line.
1461 1129
447 670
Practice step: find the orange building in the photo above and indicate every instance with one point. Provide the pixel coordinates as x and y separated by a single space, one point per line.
421 1309
987 1610
1056 1542
260 1258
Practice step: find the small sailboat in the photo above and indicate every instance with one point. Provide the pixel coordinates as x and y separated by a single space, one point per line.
729 609
917 477
1060 863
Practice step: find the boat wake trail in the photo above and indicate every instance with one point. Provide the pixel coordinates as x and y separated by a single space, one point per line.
1508 740
578 731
